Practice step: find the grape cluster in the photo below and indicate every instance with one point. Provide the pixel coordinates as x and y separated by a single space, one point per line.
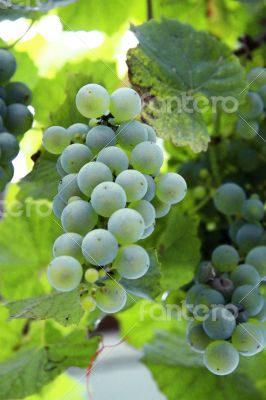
109 198
226 298
15 117
252 112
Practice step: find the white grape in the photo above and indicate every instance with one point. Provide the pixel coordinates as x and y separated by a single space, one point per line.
171 187
79 217
91 175
134 184
125 104
108 197
147 157
115 158
132 262
64 273
99 247
92 100
100 137
126 225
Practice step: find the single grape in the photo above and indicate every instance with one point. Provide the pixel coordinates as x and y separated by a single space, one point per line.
132 262
68 244
205 272
55 139
88 303
134 184
147 157
18 119
219 323
225 258
64 273
115 158
249 236
253 106
68 187
129 134
60 170
147 232
99 247
261 316
126 225
99 137
58 206
250 298
248 339
125 104
257 258
161 208
229 198
221 358
91 275
150 194
252 210
234 228
108 197
256 77
171 188
111 297
92 100
209 297
18 92
77 132
79 217
247 129
245 274
74 157
8 66
224 285
91 175
3 108
9 147
146 210
192 294
197 338
151 134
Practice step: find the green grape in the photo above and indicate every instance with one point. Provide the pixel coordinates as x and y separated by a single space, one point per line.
77 132
132 262
249 236
253 106
261 316
108 197
9 147
68 244
161 208
74 157
256 77
146 210
91 275
125 104
248 339
147 232
92 100
197 338
79 217
262 93
205 272
115 158
60 170
250 299
18 119
99 247
134 184
209 297
252 210
55 139
192 294
91 175
219 323
247 129
228 198
58 206
64 273
147 157
74 198
88 303
221 358
171 188
150 194
126 225
111 297
8 66
18 92
129 134
151 134
68 187
99 137
225 258
257 258
3 108
245 274
234 228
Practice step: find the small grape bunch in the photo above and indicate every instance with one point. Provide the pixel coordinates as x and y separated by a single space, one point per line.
110 194
252 112
15 117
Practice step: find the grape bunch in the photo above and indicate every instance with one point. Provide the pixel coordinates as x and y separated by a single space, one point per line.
252 112
110 194
15 117
226 299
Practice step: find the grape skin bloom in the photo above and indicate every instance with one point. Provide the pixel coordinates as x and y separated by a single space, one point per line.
171 188
126 225
92 100
99 247
64 273
108 197
132 262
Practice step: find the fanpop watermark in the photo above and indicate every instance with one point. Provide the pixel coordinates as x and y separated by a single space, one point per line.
28 5
17 209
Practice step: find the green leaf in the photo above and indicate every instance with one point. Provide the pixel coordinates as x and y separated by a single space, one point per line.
30 369
149 285
64 308
172 64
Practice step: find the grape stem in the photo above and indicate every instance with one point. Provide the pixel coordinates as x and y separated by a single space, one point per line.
22 36
201 204
212 150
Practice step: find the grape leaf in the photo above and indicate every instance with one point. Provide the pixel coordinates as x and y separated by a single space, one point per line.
173 75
